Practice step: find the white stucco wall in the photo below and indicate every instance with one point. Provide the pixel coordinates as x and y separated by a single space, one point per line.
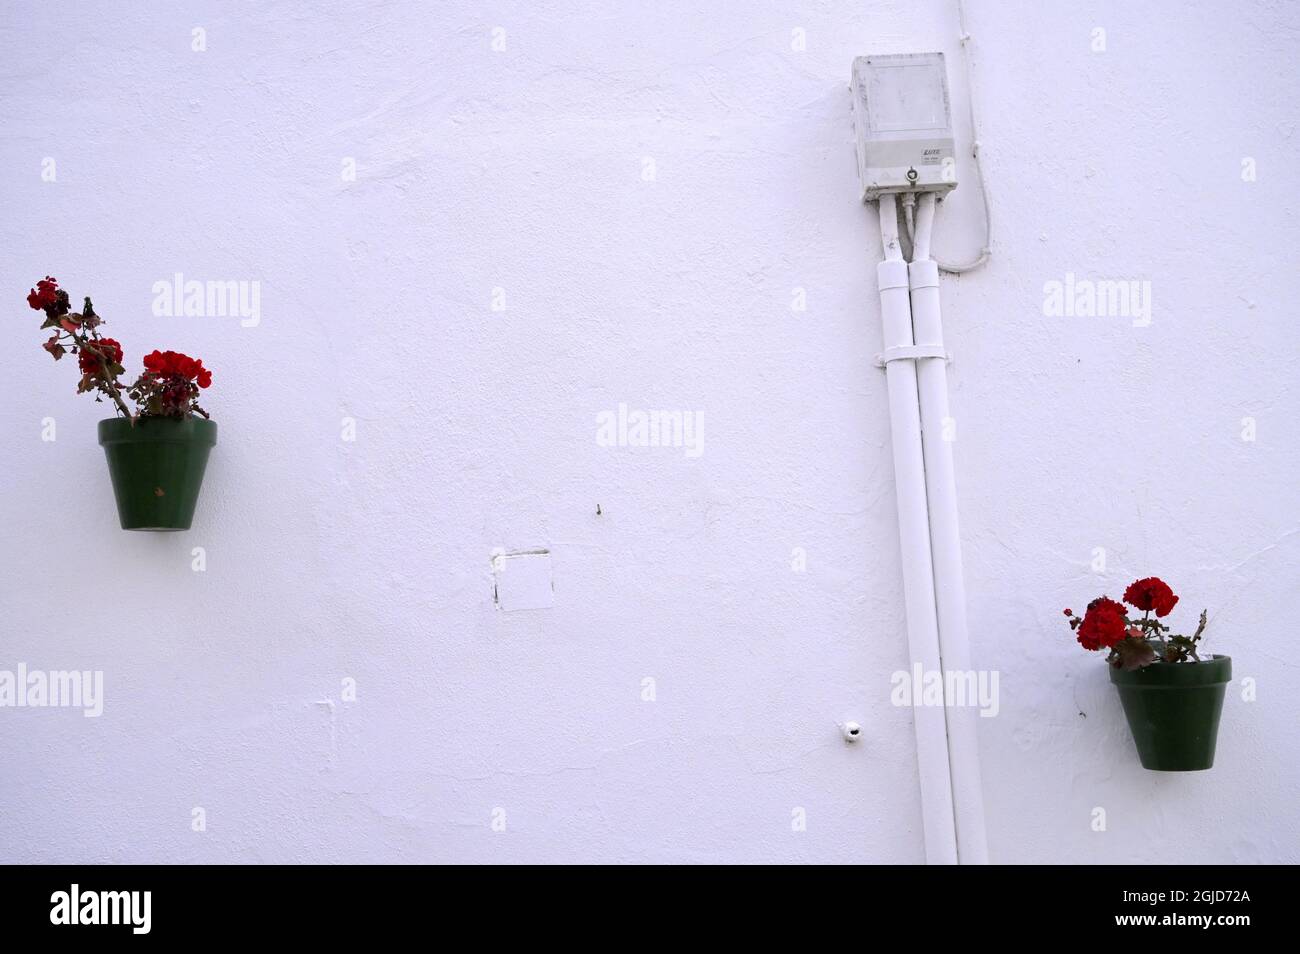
523 175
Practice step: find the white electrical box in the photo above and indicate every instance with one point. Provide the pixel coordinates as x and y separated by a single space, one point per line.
903 124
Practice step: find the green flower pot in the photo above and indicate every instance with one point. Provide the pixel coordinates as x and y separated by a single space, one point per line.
1173 711
157 468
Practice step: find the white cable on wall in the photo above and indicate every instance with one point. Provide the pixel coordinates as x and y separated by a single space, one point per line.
987 250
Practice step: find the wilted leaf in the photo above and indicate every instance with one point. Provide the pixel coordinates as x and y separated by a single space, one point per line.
1134 653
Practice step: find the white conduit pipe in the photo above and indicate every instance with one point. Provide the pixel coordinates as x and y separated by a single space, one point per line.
914 537
945 540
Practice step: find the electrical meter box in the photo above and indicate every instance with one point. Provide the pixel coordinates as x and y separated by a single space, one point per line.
903 124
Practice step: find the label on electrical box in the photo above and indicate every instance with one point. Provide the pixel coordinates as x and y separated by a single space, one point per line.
905 153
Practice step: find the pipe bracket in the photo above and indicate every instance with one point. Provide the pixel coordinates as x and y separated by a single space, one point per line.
911 353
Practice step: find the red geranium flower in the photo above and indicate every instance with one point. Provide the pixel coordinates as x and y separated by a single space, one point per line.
170 385
1103 624
44 294
88 359
167 363
1151 593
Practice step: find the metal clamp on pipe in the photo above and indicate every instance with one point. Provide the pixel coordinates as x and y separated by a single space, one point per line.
912 353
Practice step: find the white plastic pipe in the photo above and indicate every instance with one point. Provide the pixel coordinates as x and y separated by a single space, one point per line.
938 433
914 537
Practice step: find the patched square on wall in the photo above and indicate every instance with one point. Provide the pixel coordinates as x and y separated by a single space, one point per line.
522 579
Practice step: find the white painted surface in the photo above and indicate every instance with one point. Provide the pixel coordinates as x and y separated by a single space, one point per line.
523 177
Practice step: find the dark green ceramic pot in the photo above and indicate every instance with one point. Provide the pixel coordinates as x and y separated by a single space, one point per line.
157 468
1173 711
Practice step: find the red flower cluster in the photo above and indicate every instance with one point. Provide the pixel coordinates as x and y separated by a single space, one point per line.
1142 640
44 294
1104 624
92 351
1151 593
169 386
166 364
